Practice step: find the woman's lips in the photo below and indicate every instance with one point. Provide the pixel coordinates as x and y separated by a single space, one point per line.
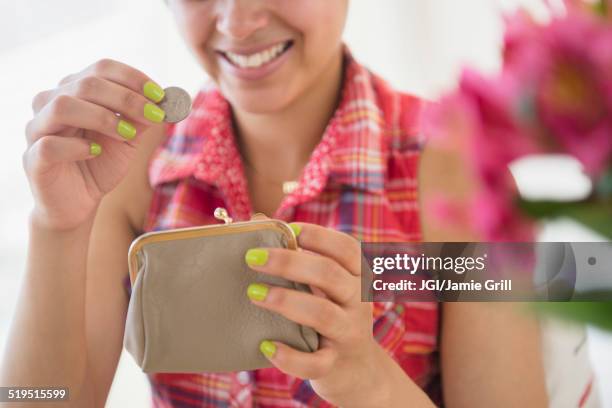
257 63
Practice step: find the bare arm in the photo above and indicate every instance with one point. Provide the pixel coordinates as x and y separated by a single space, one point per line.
46 345
119 220
490 352
68 325
496 362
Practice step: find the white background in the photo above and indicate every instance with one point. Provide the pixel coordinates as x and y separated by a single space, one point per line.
418 45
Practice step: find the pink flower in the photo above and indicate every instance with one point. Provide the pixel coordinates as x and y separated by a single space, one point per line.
497 139
603 8
521 30
477 120
554 94
563 71
497 142
497 218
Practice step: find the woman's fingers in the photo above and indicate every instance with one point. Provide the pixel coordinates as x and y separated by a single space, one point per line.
308 268
66 111
113 85
51 150
342 247
40 100
323 315
110 95
297 363
121 74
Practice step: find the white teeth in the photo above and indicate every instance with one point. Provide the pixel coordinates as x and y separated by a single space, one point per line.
256 60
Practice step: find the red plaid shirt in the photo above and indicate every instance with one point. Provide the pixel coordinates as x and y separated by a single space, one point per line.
361 179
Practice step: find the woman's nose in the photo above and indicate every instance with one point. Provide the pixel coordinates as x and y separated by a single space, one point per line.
239 19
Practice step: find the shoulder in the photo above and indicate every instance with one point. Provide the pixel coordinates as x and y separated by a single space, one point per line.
400 136
401 114
380 110
416 171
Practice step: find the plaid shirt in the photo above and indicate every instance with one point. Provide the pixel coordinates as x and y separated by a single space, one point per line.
361 179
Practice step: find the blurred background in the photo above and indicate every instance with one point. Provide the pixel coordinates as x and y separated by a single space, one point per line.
419 46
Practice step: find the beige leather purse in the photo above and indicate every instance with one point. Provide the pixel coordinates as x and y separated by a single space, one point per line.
189 311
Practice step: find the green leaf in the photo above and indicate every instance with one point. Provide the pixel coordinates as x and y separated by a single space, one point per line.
598 314
603 186
543 209
596 215
601 7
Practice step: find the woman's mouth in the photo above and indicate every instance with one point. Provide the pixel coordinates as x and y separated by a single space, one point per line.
256 65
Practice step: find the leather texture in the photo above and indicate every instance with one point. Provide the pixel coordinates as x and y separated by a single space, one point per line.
189 311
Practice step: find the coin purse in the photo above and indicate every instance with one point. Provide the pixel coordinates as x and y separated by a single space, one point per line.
189 311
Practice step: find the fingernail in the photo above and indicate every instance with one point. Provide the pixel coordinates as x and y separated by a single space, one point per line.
154 113
95 149
257 291
267 348
153 91
296 228
126 130
256 256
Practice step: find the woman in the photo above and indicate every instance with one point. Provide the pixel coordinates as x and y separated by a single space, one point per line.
290 103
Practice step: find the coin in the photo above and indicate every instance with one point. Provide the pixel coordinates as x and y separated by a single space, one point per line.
176 104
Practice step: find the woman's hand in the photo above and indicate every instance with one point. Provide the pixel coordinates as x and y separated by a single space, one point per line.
348 369
82 139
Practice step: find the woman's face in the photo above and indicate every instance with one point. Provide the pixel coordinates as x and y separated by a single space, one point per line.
263 54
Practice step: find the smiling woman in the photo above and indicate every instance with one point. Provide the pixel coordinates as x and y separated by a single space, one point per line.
289 99
305 35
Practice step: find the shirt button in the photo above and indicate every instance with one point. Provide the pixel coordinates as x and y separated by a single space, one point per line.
244 377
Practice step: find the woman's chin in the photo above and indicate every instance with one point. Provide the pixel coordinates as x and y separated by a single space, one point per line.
258 102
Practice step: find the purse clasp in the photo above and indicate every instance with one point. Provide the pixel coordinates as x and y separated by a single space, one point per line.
221 214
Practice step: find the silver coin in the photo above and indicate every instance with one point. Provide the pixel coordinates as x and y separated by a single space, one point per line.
176 104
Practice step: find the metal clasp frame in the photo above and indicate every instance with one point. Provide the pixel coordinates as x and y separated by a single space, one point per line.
221 214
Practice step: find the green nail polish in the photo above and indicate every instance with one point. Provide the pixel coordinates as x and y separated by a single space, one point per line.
257 291
95 149
256 256
126 130
267 348
296 228
154 113
153 91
